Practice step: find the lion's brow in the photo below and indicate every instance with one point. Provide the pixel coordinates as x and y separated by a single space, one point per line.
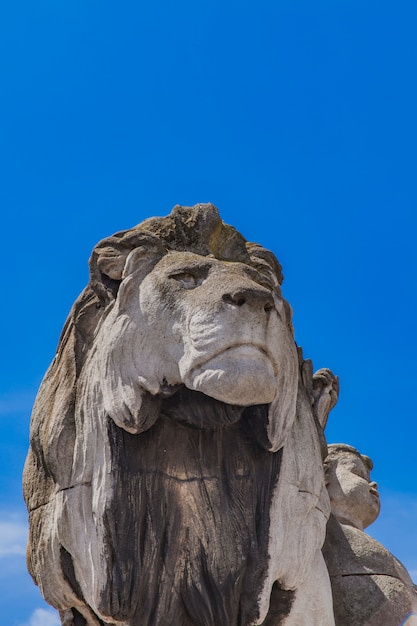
189 268
260 277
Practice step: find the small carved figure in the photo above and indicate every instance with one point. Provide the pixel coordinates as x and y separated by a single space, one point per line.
325 390
175 476
370 586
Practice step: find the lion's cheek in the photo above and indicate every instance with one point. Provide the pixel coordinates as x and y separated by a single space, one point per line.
241 376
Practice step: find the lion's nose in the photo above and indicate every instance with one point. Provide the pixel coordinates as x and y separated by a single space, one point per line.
259 298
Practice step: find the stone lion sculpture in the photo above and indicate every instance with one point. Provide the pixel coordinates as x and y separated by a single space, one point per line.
174 476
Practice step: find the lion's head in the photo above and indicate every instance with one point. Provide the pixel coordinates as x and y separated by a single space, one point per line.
157 433
219 326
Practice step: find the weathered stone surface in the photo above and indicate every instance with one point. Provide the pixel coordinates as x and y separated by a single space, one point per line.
370 586
354 497
175 473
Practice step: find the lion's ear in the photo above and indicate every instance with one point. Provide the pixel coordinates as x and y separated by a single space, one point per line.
143 259
116 257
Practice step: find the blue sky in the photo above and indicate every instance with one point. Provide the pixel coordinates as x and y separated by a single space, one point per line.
296 118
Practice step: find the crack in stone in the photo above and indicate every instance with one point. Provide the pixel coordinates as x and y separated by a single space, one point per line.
35 508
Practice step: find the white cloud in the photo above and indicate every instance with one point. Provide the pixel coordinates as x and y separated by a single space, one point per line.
13 534
43 617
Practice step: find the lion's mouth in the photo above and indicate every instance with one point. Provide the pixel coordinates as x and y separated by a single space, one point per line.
241 374
245 349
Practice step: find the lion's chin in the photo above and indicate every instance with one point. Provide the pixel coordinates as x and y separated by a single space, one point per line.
242 375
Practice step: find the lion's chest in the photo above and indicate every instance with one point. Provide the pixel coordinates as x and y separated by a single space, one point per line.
194 505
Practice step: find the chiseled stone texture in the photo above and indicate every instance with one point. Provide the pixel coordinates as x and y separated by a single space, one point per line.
370 586
175 476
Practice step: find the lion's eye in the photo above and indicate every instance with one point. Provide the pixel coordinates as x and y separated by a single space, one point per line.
187 280
190 277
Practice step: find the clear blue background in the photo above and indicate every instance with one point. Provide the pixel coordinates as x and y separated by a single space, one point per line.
296 118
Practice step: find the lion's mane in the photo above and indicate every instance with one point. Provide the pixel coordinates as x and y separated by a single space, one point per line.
152 503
